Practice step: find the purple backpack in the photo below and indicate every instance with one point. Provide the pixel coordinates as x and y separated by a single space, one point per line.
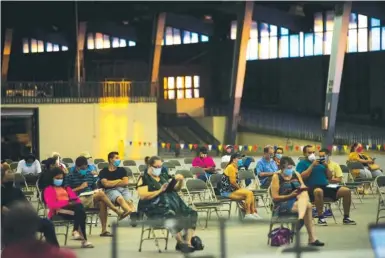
280 236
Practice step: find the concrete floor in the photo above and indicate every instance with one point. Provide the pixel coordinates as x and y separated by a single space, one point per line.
248 240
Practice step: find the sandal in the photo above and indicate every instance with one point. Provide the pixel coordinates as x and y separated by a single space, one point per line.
123 215
76 236
106 234
87 245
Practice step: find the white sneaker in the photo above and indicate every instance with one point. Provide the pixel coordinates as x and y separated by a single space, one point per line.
250 217
257 216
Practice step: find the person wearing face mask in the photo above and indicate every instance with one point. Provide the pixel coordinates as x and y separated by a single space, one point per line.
83 183
316 175
266 167
206 162
161 204
114 180
91 165
10 195
229 149
371 169
230 188
278 153
290 196
57 157
29 166
63 203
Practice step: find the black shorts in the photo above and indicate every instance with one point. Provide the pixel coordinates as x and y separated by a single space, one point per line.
329 193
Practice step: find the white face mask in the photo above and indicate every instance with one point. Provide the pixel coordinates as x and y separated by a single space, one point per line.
156 171
312 157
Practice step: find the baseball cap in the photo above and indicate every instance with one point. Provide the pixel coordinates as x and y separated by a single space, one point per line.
86 154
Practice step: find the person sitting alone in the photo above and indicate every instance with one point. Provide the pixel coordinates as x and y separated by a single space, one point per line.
266 167
230 188
290 196
205 162
229 149
159 204
83 183
65 204
30 168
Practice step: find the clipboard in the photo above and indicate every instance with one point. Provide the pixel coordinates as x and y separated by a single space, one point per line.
171 185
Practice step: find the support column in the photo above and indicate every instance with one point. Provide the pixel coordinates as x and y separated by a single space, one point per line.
79 61
238 71
157 38
6 54
336 63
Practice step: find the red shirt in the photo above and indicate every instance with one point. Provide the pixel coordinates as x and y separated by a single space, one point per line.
35 249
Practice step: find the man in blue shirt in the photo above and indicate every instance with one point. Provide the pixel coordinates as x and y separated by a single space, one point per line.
83 183
266 167
315 173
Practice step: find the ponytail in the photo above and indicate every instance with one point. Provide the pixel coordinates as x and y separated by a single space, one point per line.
353 146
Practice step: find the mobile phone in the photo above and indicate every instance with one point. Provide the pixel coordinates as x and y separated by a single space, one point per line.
377 239
321 160
300 190
171 185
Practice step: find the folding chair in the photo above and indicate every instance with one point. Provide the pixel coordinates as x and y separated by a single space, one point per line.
365 181
142 168
289 219
353 186
152 229
185 173
380 182
129 163
102 165
67 160
135 172
13 166
197 171
175 162
213 183
224 165
196 188
170 167
20 181
131 177
97 161
247 174
252 166
188 161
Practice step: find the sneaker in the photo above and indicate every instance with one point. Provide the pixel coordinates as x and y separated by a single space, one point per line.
257 215
184 248
328 213
250 217
348 221
315 213
322 222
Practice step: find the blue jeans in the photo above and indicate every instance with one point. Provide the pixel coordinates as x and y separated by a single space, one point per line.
204 177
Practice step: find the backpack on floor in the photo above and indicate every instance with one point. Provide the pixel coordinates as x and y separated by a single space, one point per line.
280 236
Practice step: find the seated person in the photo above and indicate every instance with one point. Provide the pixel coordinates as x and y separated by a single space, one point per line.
334 167
52 163
159 204
229 149
230 188
20 225
266 167
91 165
56 156
371 169
290 196
64 203
205 162
30 168
83 182
11 194
278 153
316 173
114 180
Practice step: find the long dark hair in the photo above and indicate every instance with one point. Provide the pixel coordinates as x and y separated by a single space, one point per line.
286 161
354 146
233 156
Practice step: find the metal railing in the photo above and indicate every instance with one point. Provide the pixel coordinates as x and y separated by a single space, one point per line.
302 126
72 92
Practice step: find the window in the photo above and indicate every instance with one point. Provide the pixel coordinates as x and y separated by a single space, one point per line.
294 45
49 47
273 47
383 38
352 41
106 41
194 37
362 21
301 46
25 46
252 49
131 43
318 22
40 46
328 37
115 42
64 48
56 48
284 47
254 30
375 39
318 40
233 30
122 43
309 44
284 31
168 36
181 87
186 37
90 41
329 21
353 21
375 22
176 37
98 40
362 40
265 41
204 38
33 46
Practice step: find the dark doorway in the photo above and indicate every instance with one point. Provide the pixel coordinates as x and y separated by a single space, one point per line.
19 133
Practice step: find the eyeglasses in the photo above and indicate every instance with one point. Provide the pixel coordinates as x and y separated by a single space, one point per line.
310 152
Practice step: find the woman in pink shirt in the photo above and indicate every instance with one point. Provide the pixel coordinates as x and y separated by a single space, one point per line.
205 162
64 203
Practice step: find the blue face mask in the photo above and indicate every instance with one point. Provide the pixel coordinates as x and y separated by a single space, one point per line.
28 164
117 163
57 182
278 155
83 172
288 172
240 163
156 171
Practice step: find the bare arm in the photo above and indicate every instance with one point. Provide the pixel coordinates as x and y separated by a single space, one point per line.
266 173
306 173
110 183
123 182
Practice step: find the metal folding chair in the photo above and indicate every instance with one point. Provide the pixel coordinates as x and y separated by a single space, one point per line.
213 182
129 163
152 229
97 161
380 182
102 165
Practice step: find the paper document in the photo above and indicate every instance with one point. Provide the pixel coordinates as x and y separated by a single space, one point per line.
333 185
87 193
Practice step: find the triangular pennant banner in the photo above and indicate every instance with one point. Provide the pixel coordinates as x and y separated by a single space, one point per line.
220 147
250 148
145 143
334 147
168 145
379 147
210 147
130 143
367 147
345 147
374 146
291 147
182 145
301 148
163 145
296 147
190 146
255 147
318 147
240 147
235 147
339 147
195 146
140 143
287 147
